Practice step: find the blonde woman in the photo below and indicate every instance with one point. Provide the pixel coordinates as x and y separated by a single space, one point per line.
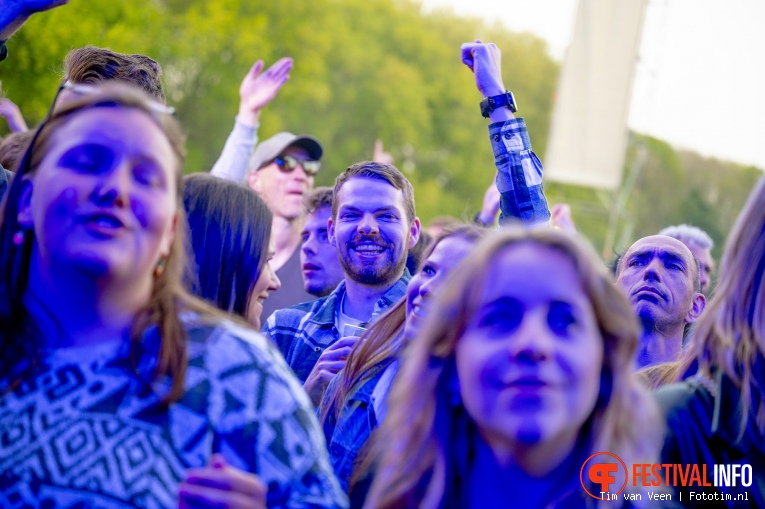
523 370
718 415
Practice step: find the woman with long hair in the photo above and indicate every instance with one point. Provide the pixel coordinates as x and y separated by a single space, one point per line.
122 389
354 404
522 370
717 416
230 228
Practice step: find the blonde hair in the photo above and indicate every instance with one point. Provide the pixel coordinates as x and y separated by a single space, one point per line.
413 458
730 334
659 375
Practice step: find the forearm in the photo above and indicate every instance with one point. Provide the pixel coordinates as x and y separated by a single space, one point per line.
519 173
11 19
234 159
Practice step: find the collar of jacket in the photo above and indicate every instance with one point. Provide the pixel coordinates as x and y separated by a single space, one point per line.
324 316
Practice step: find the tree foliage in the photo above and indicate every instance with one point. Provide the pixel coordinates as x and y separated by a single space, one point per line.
364 69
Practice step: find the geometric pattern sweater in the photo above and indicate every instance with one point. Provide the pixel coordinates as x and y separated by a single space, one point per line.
87 428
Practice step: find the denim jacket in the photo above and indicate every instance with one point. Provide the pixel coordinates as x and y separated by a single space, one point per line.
304 331
363 412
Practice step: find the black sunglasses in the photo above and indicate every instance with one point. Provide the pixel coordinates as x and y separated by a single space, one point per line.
288 163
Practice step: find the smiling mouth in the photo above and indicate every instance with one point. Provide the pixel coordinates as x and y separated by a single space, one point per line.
369 249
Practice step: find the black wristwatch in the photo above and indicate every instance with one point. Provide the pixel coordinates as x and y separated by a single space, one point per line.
498 101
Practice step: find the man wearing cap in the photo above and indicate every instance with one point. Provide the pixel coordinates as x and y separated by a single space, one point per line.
282 172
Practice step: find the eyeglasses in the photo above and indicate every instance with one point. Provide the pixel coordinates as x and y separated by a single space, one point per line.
85 89
288 163
81 89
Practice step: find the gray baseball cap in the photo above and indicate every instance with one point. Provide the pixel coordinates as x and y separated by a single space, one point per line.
276 144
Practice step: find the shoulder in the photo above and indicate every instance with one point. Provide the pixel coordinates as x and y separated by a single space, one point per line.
293 316
693 394
227 351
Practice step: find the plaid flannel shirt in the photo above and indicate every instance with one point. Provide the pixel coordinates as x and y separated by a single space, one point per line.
304 331
519 174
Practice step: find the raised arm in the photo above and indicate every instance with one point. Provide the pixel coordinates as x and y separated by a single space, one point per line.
256 91
519 170
14 13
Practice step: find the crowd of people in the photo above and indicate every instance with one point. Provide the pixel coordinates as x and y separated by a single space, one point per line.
241 339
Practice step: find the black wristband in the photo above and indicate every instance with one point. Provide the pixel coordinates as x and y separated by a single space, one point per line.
498 101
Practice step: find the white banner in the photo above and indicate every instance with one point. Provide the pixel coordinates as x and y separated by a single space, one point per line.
588 134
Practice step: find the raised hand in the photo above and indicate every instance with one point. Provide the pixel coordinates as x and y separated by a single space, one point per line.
220 485
12 114
490 207
485 60
380 155
258 89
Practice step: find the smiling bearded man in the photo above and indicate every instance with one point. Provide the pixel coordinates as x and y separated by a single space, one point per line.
373 225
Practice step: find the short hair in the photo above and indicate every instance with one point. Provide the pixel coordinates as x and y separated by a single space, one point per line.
229 229
686 233
379 171
318 198
615 267
93 65
12 148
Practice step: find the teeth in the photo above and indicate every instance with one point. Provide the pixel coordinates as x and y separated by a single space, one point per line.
106 223
369 249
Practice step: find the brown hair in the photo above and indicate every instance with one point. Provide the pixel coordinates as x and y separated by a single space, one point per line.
412 454
379 171
12 148
94 65
730 334
317 198
168 296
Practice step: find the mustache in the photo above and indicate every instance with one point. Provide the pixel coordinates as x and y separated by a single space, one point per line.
367 239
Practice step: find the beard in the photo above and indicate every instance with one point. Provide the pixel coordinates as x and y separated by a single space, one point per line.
385 270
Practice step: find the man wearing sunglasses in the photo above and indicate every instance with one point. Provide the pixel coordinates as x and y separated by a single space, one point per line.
282 169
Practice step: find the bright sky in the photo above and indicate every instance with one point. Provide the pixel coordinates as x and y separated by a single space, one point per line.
700 78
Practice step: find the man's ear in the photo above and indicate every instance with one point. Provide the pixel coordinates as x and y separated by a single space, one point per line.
414 233
331 233
253 181
698 304
24 216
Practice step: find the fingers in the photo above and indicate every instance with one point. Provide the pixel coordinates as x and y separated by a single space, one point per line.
467 54
281 67
256 68
224 477
343 342
331 367
195 496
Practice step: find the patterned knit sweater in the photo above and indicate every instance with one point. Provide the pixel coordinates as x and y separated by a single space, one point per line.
87 429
